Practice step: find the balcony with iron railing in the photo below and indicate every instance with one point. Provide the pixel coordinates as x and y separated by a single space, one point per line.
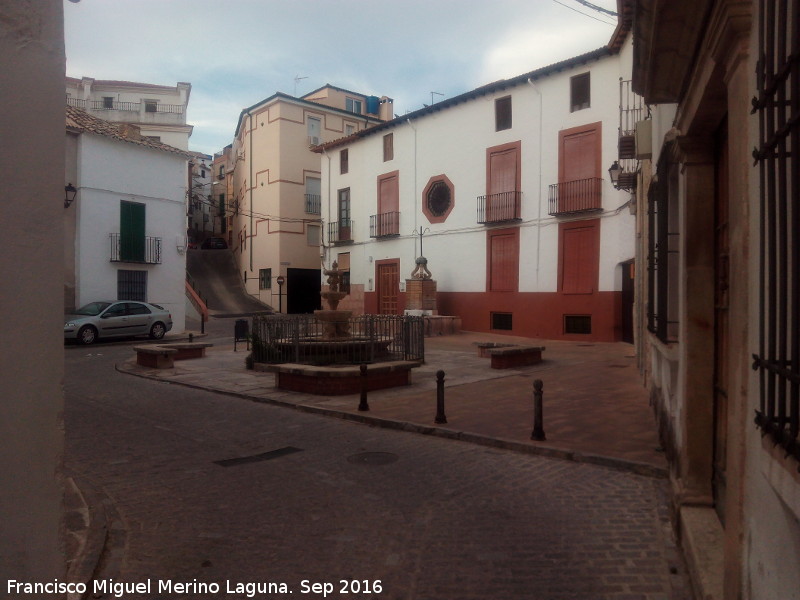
497 208
582 195
632 109
384 225
313 204
341 232
135 249
148 112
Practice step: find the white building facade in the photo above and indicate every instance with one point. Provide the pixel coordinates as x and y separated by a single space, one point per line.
127 187
158 110
523 231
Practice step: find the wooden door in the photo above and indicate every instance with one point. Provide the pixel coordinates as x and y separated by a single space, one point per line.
502 185
578 161
503 260
580 256
721 298
388 287
132 232
344 215
388 205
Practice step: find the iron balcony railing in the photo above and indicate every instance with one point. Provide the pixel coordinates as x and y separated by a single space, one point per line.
135 249
632 108
384 225
496 208
341 231
313 204
88 104
582 195
372 338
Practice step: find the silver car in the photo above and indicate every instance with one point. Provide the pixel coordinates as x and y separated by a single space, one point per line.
117 319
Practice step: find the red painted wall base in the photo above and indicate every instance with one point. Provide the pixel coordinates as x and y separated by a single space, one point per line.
535 314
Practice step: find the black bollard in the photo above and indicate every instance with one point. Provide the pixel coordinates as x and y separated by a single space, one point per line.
538 424
440 416
191 338
363 405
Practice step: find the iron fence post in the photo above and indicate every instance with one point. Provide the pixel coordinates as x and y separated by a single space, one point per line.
363 405
538 425
296 339
440 416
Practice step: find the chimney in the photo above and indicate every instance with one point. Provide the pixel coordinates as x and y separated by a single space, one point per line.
130 131
387 109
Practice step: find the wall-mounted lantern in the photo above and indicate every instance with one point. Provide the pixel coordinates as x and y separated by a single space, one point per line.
69 194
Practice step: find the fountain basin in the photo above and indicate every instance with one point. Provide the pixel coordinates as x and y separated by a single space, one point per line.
339 380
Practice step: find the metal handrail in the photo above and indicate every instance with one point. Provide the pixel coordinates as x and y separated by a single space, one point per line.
496 208
581 195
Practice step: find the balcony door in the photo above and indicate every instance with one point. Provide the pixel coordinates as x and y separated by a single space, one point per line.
579 155
132 231
344 215
502 182
388 204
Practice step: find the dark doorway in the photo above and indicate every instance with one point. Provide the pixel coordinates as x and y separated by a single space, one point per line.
626 319
302 290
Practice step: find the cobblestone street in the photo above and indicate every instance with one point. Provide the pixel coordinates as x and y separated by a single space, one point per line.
217 489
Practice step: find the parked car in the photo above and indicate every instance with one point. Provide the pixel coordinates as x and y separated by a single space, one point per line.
116 319
214 243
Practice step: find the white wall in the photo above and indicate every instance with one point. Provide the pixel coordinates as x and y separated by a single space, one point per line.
111 171
454 142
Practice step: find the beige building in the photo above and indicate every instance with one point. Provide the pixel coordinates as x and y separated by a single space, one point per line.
221 193
275 195
158 110
718 283
200 205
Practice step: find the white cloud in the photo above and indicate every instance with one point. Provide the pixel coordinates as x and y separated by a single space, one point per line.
528 49
236 53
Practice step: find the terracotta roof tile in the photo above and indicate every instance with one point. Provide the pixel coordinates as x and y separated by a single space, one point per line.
80 120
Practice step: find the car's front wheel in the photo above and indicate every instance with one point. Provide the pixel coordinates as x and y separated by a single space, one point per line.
87 335
157 331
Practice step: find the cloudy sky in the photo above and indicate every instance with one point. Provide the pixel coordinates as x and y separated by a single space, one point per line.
238 52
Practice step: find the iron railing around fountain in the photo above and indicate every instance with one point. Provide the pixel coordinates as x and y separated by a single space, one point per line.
373 338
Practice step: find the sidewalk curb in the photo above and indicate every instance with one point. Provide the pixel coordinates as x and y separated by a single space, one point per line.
103 548
85 564
546 451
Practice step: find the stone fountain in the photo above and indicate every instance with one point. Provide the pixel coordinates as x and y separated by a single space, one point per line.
335 323
332 360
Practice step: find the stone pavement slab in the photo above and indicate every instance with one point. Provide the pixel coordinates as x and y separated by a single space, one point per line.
595 406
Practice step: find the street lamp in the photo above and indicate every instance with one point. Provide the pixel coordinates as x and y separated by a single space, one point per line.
614 171
69 194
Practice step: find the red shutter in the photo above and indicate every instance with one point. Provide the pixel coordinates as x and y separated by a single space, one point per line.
579 259
388 195
503 260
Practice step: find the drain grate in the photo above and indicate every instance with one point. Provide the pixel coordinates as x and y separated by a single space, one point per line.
241 460
373 458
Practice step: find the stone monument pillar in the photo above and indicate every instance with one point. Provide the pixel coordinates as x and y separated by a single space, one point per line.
421 291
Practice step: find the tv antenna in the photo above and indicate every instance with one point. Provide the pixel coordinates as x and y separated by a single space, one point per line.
297 80
437 93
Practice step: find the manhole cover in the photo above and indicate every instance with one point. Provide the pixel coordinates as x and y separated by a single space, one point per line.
373 458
